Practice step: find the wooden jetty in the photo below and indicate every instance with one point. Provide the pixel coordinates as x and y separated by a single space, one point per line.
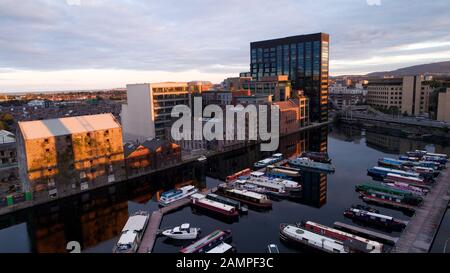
419 235
148 240
369 234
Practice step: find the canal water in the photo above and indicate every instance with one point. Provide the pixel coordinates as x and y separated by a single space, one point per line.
95 219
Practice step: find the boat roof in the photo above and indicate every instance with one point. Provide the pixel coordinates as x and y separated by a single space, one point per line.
198 196
257 173
374 214
192 247
221 248
266 160
185 226
356 237
135 223
248 193
266 184
300 233
408 177
127 238
216 204
188 187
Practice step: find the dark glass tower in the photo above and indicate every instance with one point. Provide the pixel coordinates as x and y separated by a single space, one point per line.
304 58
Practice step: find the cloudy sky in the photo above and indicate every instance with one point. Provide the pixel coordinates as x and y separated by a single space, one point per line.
79 44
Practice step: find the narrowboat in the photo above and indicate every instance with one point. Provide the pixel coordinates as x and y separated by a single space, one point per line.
405 198
421 191
283 172
306 163
437 159
200 201
227 201
317 156
244 196
236 175
367 187
391 163
262 187
375 219
409 158
132 232
289 185
354 243
268 161
393 177
381 172
171 196
296 235
208 242
366 208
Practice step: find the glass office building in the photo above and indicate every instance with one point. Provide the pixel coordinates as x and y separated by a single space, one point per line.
304 59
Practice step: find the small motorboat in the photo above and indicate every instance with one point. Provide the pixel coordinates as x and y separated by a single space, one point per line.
272 248
183 232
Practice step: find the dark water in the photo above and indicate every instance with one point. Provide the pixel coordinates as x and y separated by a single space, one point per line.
95 219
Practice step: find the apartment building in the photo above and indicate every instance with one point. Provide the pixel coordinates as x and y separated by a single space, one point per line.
8 157
443 112
63 156
408 95
149 105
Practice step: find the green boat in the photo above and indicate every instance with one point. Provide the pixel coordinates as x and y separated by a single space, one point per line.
405 196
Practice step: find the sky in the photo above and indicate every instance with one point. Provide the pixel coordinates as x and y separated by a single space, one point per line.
94 44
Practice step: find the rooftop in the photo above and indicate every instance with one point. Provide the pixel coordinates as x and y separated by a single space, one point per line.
6 137
66 126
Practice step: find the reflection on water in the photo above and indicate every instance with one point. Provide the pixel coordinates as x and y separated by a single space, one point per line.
95 219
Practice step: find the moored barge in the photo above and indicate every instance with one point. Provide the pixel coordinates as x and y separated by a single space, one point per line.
208 242
375 219
296 235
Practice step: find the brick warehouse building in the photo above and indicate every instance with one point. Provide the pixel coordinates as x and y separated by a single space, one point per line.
68 155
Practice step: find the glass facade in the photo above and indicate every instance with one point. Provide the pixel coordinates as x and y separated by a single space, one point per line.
304 59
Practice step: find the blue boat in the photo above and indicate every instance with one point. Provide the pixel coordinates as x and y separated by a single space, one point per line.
391 163
381 172
176 194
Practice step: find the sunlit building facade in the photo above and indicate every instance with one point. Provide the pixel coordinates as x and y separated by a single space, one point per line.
59 157
149 105
304 59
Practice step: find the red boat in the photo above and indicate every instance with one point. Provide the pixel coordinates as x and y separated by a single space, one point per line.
238 174
200 201
353 242
392 177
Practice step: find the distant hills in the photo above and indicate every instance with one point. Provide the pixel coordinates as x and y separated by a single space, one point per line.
437 69
440 68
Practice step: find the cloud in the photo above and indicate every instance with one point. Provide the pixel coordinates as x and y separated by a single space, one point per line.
211 37
373 2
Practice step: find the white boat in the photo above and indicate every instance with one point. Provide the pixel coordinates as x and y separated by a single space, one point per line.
132 233
289 185
304 162
262 187
294 234
273 248
268 161
183 232
176 194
